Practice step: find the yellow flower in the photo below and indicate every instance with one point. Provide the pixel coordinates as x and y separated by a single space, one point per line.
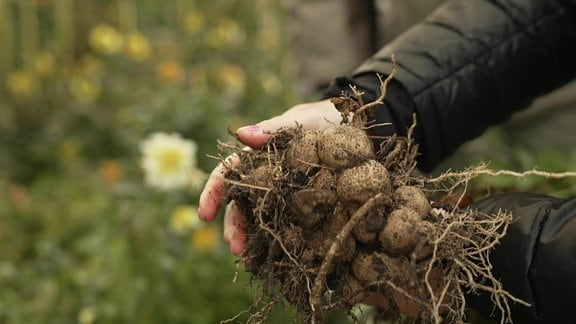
167 160
232 77
205 238
85 89
22 83
44 64
226 33
170 71
271 83
87 315
194 21
137 47
105 39
184 218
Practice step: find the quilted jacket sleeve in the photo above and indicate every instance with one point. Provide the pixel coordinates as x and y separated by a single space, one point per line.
467 66
536 260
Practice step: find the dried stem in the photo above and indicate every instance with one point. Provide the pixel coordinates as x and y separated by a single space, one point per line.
383 87
466 175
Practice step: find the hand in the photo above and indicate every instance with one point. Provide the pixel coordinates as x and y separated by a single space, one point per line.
312 116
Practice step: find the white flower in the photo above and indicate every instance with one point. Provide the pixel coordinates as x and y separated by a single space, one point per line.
167 160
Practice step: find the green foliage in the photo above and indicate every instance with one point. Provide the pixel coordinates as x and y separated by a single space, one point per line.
136 67
75 250
82 83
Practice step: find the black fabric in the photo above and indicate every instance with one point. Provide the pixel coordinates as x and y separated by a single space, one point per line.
469 65
536 260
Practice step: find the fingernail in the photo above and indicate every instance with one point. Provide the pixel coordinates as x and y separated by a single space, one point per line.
252 129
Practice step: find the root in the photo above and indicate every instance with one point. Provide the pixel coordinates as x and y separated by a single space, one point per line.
451 180
319 284
462 245
383 87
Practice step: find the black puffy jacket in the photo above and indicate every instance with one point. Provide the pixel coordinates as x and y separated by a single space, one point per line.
469 65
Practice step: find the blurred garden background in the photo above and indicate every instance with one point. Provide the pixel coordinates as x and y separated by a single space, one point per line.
92 93
85 235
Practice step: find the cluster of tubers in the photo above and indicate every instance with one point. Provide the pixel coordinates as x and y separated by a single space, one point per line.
329 219
300 191
342 175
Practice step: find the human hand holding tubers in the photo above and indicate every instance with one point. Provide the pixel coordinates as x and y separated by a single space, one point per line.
324 221
312 116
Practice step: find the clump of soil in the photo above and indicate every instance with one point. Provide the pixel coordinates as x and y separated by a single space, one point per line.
330 220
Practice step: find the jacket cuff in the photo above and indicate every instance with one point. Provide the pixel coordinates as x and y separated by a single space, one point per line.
535 261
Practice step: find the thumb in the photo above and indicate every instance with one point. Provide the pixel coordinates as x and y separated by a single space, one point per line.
316 115
256 136
252 135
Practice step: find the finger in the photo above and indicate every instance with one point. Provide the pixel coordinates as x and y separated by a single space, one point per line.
312 116
253 135
212 197
234 233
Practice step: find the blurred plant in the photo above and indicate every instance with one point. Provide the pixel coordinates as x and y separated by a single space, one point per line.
225 33
194 21
184 221
85 89
205 238
22 83
184 218
74 251
137 47
110 171
170 71
106 39
232 80
82 86
45 64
